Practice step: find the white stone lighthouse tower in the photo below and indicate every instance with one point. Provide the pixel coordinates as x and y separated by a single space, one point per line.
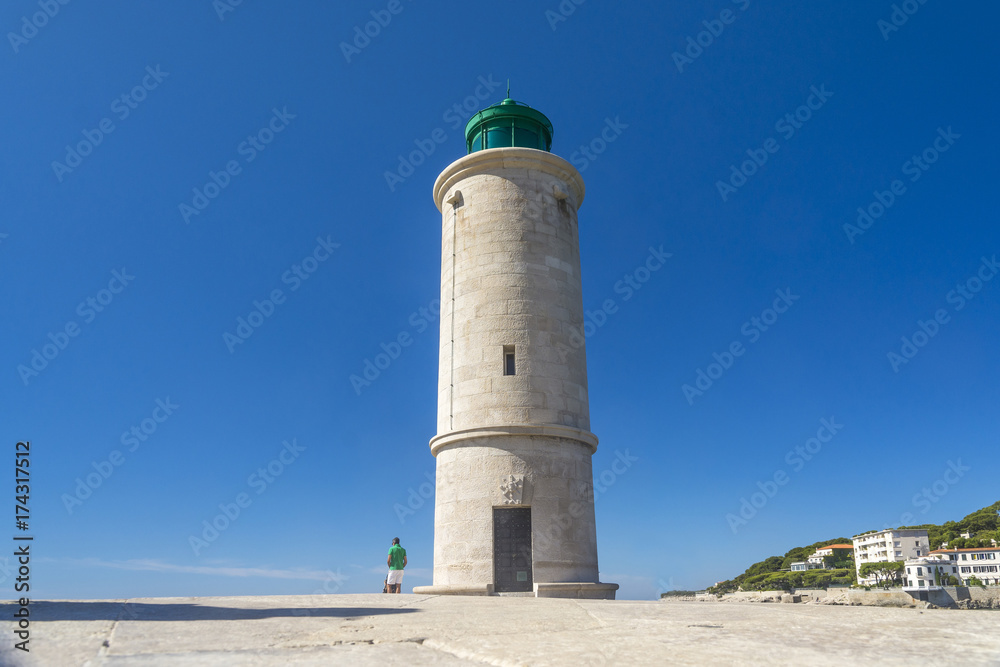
514 506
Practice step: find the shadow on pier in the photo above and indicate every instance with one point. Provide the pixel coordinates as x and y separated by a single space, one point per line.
100 610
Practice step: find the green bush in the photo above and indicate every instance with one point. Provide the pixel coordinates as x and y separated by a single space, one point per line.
783 581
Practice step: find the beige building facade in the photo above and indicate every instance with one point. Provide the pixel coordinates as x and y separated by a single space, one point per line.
887 546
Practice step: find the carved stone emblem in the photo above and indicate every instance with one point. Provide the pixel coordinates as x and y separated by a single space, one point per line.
512 490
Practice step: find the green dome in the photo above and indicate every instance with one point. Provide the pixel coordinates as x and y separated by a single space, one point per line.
508 124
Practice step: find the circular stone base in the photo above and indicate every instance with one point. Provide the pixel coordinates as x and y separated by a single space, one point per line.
486 589
581 590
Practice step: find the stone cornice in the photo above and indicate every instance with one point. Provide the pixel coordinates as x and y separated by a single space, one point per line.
551 430
509 158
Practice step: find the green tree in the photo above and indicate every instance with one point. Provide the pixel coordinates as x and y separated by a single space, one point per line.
980 522
839 560
779 581
770 564
848 578
885 573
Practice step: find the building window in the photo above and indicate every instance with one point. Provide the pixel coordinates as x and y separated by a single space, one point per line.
509 365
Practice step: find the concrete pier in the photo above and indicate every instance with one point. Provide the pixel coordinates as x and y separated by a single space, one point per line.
456 630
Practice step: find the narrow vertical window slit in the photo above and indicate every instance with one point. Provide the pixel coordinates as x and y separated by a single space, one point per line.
509 364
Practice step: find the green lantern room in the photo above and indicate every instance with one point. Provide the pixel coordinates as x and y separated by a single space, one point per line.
508 124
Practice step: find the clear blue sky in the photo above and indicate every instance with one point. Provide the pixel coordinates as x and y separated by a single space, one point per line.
329 124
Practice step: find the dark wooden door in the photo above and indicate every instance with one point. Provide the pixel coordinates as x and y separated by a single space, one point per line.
512 549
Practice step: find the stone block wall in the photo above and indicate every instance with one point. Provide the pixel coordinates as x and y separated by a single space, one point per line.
510 276
558 486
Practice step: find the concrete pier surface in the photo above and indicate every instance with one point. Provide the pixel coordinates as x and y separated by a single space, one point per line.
453 630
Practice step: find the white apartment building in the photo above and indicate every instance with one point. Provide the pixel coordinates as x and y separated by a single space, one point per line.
928 573
981 563
887 546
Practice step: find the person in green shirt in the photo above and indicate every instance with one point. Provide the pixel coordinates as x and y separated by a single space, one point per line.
396 562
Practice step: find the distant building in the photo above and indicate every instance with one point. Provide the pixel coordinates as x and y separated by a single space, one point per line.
835 550
981 563
802 566
888 546
927 573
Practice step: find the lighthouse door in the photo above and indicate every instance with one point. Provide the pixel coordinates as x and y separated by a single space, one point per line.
512 549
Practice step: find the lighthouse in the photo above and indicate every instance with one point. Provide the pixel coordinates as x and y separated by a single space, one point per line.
514 499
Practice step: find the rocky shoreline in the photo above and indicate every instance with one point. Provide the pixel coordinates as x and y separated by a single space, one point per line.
946 598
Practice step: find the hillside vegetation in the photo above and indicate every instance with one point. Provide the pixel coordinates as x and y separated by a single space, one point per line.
984 524
767 575
772 572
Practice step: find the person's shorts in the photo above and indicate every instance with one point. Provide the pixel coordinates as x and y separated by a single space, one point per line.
395 577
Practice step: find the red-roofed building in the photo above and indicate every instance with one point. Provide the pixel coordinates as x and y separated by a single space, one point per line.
838 551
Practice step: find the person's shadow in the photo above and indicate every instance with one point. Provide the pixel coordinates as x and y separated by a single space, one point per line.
83 610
